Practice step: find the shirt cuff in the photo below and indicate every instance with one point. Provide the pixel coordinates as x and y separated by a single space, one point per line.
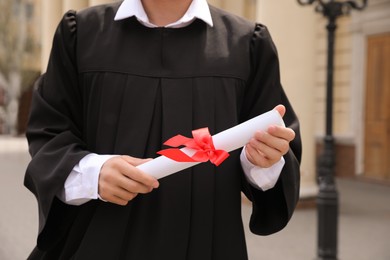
261 178
82 183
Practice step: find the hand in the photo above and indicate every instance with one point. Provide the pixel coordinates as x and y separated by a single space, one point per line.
266 148
120 181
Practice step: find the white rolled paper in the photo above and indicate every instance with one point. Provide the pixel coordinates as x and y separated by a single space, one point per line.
228 140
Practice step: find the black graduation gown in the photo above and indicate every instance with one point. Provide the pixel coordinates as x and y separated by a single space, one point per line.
117 87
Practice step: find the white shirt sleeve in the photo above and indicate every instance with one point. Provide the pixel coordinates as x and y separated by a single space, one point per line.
261 178
82 183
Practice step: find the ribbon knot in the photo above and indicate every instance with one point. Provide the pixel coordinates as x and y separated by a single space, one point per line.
202 143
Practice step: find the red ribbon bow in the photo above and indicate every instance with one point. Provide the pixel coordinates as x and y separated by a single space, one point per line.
202 143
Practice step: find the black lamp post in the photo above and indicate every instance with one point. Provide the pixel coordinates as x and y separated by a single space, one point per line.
327 200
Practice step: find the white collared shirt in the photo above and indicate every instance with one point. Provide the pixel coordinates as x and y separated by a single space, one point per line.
198 9
82 183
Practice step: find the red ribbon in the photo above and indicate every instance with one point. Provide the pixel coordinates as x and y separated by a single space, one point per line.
202 143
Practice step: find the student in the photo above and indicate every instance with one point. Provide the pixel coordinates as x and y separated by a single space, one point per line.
122 79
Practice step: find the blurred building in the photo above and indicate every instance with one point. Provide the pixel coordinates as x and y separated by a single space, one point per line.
19 57
362 82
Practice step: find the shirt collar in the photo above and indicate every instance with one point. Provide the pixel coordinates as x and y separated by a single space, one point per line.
198 9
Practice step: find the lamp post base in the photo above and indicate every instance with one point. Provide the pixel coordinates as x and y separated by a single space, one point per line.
327 204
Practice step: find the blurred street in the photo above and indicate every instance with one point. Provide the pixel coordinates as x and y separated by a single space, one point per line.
364 223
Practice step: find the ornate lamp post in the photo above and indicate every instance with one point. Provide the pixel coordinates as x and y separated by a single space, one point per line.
327 200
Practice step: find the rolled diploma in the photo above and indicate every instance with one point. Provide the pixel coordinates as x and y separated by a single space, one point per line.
228 140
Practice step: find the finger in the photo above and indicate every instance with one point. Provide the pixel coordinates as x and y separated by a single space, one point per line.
133 186
117 201
262 140
281 109
124 194
256 157
108 194
267 151
141 177
113 193
137 175
282 132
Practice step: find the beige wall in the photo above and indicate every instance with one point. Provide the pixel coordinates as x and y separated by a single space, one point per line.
293 29
245 8
74 4
51 14
342 78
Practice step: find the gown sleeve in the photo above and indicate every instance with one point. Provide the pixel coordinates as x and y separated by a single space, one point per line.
272 209
55 132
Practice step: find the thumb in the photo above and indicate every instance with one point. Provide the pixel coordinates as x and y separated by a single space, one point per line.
281 109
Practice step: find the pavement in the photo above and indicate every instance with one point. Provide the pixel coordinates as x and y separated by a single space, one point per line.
363 233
